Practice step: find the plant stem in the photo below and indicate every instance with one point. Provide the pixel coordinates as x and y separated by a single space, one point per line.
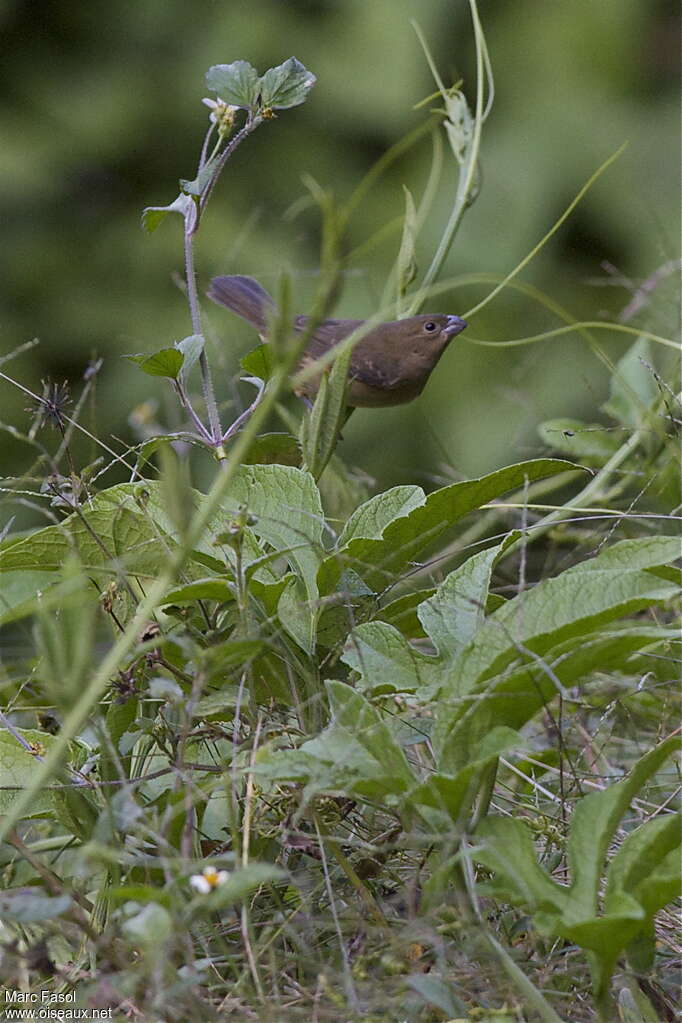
250 125
187 405
191 225
465 184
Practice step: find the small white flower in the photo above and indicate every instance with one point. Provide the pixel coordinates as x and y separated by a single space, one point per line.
208 879
222 114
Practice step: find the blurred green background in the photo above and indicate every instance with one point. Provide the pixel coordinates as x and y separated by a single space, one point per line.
101 114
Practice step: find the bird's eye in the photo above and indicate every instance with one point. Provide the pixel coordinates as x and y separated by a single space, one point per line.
430 326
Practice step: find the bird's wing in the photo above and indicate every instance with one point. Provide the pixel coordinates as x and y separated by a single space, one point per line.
326 335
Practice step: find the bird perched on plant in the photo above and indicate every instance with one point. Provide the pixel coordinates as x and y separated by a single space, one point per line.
389 365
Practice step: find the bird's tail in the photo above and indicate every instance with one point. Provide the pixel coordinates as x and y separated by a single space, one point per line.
245 297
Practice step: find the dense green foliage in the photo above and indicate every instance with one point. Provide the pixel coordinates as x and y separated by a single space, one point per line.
292 746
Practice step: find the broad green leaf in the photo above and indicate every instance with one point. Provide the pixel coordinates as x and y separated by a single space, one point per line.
18 766
150 927
633 386
28 905
296 615
21 591
258 362
452 616
152 216
47 548
286 85
663 885
644 553
380 559
167 362
351 711
443 798
576 602
355 753
274 449
352 604
218 704
402 613
191 348
593 826
370 520
580 440
210 588
288 514
237 84
505 845
437 992
387 663
640 855
230 653
128 526
513 699
120 722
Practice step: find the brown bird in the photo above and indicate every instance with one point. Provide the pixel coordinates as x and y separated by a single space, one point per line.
389 365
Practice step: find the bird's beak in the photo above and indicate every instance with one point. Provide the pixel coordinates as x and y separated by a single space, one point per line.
455 325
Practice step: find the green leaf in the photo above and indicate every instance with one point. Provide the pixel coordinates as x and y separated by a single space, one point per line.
286 85
150 927
453 615
122 522
594 824
407 259
403 613
515 698
580 440
22 590
236 84
258 362
351 605
435 991
387 663
351 711
288 514
356 753
127 527
371 519
443 799
663 885
380 559
296 615
152 216
120 722
506 846
196 186
639 857
578 601
274 449
320 430
165 363
191 348
28 905
18 766
210 588
633 387
65 639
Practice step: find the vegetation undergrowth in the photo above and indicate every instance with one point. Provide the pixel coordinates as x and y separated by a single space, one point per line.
287 750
